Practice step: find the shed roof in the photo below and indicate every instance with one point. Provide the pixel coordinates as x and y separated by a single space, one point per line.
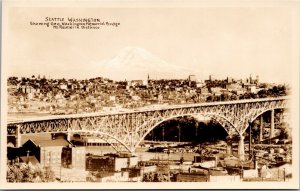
50 143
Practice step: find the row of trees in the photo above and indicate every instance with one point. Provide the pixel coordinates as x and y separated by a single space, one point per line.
275 91
22 172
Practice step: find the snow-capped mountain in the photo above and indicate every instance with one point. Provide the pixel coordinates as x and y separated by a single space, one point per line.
136 63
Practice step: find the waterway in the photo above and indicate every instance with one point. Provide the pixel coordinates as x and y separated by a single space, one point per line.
25 115
142 153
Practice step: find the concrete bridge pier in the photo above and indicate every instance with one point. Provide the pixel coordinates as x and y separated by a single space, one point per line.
272 124
229 148
18 141
69 135
229 145
261 128
241 148
18 136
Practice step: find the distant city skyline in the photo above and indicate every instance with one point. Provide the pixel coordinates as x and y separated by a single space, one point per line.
234 42
41 76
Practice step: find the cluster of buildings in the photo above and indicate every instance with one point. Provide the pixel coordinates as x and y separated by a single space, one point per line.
220 168
62 96
216 163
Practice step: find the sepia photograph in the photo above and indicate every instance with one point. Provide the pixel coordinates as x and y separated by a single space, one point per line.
150 94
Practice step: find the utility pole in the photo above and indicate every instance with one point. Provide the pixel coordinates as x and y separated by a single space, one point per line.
272 129
28 156
60 173
196 133
163 133
49 158
242 174
44 157
152 135
250 139
179 133
169 163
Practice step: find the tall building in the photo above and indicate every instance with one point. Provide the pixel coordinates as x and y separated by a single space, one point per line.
192 78
229 80
257 78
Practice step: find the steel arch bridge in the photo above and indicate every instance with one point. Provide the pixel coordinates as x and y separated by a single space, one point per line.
130 128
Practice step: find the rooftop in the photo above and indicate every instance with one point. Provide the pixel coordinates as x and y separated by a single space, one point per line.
50 143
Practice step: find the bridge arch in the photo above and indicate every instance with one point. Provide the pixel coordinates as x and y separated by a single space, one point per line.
94 132
194 115
256 115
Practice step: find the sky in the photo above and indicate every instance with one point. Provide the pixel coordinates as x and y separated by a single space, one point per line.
222 41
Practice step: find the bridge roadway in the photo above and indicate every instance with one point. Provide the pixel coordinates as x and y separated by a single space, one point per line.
129 128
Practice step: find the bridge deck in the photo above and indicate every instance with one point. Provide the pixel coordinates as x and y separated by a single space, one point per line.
140 110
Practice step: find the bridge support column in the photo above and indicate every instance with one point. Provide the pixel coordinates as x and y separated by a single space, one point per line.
68 136
272 124
18 136
261 128
241 148
250 140
229 148
18 141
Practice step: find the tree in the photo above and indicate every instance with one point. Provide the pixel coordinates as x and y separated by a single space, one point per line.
14 174
155 177
245 96
285 132
263 85
233 97
181 160
254 96
275 90
224 97
262 93
12 81
148 177
209 99
158 177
